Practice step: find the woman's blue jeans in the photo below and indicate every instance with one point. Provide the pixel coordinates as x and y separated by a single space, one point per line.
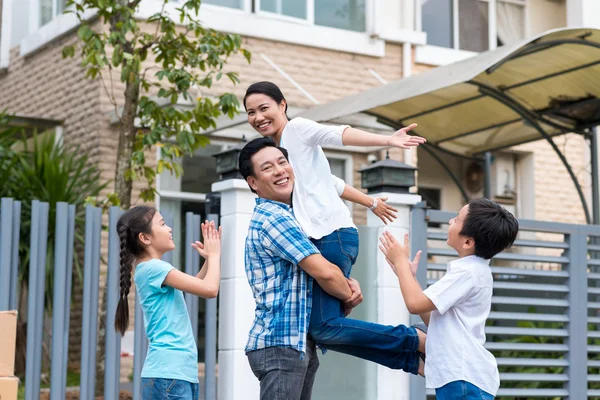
167 389
461 390
392 346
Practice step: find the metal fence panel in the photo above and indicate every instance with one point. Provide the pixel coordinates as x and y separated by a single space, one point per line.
538 326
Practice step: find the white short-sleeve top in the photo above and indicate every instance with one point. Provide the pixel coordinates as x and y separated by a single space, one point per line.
316 199
456 332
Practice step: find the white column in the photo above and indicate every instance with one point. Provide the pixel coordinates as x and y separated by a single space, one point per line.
236 303
391 310
583 13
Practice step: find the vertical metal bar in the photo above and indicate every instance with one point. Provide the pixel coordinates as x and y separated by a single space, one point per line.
418 241
210 339
57 374
487 187
113 339
578 300
69 286
196 267
14 276
34 314
189 259
94 298
168 217
594 148
41 290
6 209
140 347
87 313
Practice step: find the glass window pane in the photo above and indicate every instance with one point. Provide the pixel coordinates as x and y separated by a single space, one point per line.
200 170
338 167
473 25
61 6
226 3
510 22
436 21
290 8
45 12
341 14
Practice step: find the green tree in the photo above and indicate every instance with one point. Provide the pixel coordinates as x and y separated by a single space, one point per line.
185 57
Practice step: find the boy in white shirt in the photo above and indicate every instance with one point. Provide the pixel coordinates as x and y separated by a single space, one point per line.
456 307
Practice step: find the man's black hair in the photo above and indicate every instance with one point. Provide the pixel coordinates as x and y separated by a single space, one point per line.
250 149
491 226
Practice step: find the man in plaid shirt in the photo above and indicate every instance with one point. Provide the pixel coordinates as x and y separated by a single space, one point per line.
281 263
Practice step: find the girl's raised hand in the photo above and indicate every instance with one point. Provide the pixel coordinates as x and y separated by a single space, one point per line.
212 241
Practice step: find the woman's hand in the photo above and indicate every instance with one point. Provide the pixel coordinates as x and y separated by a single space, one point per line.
401 139
212 241
384 211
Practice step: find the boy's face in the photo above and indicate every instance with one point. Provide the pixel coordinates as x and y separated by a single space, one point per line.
463 245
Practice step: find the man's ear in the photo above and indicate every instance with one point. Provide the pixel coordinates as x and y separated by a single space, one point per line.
252 182
144 238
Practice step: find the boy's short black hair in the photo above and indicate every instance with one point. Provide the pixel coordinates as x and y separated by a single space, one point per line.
250 149
491 226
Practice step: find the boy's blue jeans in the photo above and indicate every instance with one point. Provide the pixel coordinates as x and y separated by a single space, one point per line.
461 390
164 389
392 346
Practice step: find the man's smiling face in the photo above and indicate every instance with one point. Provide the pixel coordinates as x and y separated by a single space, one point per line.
272 175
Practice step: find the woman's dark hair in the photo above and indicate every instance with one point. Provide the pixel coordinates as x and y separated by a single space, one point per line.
493 228
250 149
268 89
133 222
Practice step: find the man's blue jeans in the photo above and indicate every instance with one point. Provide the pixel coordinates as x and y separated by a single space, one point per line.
461 390
392 346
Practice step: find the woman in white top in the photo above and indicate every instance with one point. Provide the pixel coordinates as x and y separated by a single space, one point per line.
316 198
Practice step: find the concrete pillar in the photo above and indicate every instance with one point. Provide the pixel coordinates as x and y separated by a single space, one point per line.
391 310
236 303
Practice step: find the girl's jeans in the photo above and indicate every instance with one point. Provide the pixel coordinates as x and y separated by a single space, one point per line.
167 389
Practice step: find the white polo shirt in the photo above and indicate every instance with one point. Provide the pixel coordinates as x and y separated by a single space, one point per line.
316 199
456 332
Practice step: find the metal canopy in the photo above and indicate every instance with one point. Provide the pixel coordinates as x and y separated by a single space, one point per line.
542 87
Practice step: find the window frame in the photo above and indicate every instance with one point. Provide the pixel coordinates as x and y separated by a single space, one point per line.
5 34
348 171
438 55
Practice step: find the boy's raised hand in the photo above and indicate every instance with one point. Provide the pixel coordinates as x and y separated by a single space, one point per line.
212 241
395 254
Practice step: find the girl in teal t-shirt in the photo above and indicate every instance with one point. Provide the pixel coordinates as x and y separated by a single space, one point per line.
171 366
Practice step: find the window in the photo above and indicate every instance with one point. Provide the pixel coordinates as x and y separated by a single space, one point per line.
50 9
433 197
226 3
289 8
465 24
341 14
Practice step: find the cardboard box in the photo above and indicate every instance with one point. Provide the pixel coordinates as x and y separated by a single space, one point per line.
8 342
9 386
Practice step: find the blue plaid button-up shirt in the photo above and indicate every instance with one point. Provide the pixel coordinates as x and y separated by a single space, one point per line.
274 247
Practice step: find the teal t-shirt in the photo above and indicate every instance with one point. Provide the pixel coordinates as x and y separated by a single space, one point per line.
172 352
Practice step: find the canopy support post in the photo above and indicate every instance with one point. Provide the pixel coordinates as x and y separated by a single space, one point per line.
487 175
594 148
